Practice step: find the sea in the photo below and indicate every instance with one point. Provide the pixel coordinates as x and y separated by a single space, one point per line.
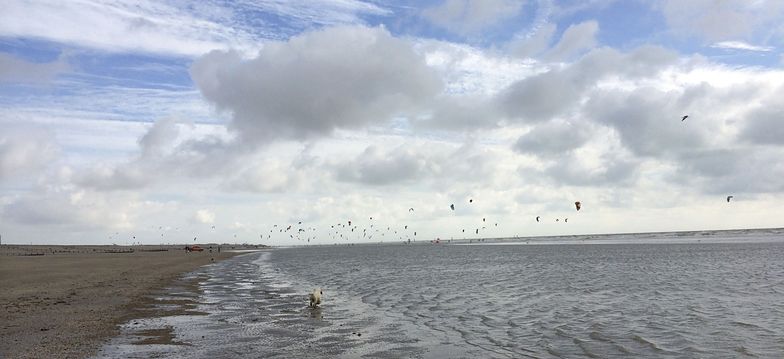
704 294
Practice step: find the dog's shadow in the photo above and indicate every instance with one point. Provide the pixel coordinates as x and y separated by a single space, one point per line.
315 313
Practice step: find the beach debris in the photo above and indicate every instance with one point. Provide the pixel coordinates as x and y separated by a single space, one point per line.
684 118
577 205
729 198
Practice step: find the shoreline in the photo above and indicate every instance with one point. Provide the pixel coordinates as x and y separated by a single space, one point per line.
68 300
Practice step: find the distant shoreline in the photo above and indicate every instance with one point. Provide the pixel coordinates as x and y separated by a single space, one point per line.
67 300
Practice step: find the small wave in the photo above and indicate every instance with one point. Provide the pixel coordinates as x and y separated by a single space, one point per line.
746 325
745 351
584 347
650 344
599 337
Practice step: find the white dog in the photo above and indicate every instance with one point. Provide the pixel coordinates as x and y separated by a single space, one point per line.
315 297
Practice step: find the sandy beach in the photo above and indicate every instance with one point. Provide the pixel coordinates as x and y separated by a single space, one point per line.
64 301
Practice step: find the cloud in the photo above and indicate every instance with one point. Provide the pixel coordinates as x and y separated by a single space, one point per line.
65 206
541 97
740 45
169 150
765 124
647 120
535 43
534 92
374 167
469 17
556 92
338 78
594 168
576 38
461 113
267 175
204 216
732 171
554 137
14 69
104 177
120 26
722 20
160 137
25 149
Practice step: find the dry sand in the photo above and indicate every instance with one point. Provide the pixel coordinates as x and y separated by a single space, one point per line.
67 302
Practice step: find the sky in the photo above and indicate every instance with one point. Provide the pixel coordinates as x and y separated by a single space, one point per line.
154 122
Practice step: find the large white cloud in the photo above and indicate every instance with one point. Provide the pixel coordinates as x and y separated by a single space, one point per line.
313 84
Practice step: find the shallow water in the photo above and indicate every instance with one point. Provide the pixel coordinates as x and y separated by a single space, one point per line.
718 299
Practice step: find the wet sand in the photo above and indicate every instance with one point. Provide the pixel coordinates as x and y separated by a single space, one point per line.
65 301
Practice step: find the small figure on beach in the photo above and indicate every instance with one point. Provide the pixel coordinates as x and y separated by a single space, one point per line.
315 298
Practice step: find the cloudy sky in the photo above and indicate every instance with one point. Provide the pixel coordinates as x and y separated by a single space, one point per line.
221 120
